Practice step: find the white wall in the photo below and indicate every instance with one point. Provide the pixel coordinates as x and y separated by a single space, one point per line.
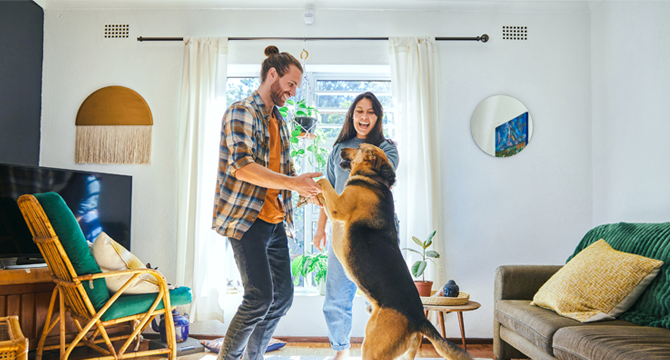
532 208
631 121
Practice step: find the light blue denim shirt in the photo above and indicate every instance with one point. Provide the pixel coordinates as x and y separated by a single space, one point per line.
338 176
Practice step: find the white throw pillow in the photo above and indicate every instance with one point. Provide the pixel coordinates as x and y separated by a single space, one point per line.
111 256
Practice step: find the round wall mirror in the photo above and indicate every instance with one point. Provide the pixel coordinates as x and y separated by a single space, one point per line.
501 126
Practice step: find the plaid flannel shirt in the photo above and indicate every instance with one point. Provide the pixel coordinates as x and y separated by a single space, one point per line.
245 138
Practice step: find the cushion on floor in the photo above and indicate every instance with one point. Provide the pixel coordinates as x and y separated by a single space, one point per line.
598 342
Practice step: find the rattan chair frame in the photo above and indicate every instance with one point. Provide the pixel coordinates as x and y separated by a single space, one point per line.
73 299
16 345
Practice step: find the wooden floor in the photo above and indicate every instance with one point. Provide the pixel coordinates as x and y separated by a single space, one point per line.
291 349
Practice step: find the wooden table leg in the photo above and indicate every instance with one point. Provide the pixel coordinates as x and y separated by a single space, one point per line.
460 323
440 323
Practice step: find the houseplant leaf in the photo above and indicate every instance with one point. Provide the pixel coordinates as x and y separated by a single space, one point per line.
417 241
414 251
418 268
432 254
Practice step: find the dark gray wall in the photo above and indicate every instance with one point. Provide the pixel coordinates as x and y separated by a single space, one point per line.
21 38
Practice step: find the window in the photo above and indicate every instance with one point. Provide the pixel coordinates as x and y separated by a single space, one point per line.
332 94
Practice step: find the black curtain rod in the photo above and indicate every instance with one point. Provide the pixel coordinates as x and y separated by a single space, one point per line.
484 38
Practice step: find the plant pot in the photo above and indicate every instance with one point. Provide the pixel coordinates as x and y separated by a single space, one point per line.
307 125
322 288
424 287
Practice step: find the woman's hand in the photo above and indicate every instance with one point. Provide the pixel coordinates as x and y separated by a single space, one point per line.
320 239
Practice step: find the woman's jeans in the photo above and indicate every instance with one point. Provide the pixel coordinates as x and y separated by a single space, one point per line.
340 292
265 267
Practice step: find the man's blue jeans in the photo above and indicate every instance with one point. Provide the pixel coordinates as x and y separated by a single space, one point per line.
265 267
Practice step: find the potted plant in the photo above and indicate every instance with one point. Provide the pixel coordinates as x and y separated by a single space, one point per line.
305 117
306 264
419 266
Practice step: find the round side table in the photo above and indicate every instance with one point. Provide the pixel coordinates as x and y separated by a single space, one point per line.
445 309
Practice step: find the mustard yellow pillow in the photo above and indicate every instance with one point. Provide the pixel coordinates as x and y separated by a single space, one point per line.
598 283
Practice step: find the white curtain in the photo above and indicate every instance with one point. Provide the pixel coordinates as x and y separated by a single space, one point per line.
200 251
415 85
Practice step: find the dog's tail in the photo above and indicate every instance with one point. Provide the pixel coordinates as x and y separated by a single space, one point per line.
445 348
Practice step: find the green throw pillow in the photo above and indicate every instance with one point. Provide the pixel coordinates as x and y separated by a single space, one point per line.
72 238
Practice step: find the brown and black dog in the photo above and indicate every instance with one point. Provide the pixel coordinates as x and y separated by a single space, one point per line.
365 242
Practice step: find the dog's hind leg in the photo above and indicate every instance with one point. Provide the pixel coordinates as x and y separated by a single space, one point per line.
413 344
386 335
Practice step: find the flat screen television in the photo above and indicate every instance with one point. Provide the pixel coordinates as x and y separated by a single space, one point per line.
99 201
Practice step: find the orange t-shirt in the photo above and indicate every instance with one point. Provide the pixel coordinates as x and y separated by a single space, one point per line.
273 210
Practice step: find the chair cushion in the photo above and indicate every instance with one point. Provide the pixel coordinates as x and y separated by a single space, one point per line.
127 305
599 283
536 324
612 343
74 243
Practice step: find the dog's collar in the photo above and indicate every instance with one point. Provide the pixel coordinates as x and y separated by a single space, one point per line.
379 179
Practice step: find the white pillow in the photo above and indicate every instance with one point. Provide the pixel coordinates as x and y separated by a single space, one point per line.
111 256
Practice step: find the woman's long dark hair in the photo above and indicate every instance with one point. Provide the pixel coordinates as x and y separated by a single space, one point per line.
376 135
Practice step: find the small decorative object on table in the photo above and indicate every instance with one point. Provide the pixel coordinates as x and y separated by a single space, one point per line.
13 345
450 289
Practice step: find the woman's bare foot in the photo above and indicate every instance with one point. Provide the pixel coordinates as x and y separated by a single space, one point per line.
342 355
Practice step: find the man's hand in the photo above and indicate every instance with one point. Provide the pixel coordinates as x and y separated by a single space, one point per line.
319 239
305 185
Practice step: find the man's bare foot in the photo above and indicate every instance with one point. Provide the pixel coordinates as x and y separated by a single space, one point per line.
342 355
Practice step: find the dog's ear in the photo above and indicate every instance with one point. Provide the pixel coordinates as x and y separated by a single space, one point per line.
386 171
374 160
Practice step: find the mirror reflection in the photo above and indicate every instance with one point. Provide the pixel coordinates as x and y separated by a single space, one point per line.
501 126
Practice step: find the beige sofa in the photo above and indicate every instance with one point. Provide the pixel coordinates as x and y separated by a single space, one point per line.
523 331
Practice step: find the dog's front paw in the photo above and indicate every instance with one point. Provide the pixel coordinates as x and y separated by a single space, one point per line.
323 182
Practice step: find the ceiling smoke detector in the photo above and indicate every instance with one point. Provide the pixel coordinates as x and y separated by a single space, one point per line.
309 17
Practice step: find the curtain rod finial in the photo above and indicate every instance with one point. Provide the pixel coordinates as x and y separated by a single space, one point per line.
484 38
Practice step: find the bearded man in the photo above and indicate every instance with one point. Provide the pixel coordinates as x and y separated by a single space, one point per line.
253 201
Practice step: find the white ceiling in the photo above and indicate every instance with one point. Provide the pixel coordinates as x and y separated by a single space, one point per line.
406 5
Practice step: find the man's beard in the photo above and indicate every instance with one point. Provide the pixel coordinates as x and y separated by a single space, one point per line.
276 94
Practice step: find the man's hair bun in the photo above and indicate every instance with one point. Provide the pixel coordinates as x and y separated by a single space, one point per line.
271 50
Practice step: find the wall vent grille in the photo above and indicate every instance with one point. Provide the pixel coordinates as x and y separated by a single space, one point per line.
515 32
116 31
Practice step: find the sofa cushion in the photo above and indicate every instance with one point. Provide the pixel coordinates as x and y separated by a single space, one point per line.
606 342
651 240
536 324
599 283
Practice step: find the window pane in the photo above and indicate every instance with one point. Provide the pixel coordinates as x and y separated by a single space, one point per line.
240 88
332 119
344 101
359 86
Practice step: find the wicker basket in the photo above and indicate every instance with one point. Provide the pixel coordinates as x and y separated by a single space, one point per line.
462 299
12 343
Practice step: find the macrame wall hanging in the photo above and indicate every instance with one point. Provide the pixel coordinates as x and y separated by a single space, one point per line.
114 127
